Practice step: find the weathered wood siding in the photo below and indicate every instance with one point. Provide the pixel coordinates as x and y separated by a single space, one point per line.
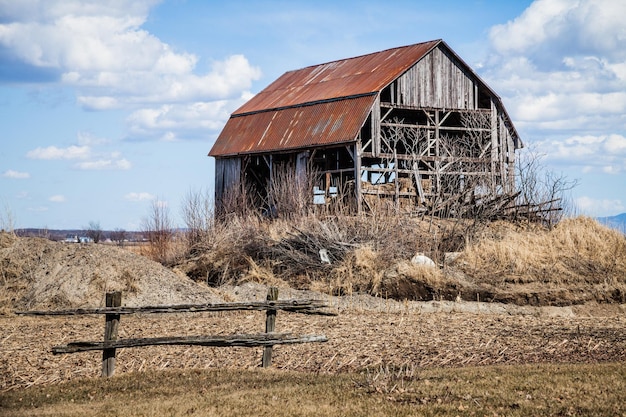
437 80
227 174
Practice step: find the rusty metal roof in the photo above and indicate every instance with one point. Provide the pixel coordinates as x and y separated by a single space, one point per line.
344 78
324 123
321 104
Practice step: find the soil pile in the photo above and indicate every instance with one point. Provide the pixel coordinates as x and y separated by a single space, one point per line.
37 273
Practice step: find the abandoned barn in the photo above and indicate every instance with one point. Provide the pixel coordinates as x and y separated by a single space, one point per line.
412 128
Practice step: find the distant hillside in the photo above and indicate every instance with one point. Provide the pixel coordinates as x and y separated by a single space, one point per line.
617 222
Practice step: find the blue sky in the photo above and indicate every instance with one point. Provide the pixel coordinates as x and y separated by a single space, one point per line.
107 106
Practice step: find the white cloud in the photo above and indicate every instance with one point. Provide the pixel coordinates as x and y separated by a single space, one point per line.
599 207
171 121
57 198
562 65
89 139
560 68
52 152
91 159
143 196
83 37
548 29
16 174
605 153
101 49
105 164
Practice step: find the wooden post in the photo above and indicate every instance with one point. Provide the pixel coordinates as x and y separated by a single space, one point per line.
270 325
112 321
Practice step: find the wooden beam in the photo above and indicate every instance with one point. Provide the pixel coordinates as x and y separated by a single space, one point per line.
387 104
431 127
418 182
494 145
426 172
296 306
357 177
412 157
240 340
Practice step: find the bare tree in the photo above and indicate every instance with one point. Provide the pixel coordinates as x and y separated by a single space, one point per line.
543 193
198 215
94 231
158 228
118 236
7 220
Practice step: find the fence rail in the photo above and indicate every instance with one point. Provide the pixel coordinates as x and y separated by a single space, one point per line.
296 306
114 310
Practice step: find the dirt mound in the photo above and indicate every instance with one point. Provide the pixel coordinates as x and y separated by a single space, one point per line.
37 273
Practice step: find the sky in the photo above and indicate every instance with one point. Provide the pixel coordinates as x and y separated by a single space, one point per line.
110 106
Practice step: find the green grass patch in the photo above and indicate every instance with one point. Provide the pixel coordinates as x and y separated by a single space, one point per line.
538 390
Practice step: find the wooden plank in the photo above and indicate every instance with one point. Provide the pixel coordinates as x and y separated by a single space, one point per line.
295 306
358 177
442 128
112 321
410 157
270 326
240 340
418 182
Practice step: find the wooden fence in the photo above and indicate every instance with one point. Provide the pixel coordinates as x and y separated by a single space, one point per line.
114 310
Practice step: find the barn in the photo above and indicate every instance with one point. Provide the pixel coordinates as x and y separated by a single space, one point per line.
412 128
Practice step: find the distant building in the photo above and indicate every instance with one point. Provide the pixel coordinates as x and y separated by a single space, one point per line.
77 239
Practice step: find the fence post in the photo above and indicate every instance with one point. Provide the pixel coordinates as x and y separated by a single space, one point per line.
111 324
270 325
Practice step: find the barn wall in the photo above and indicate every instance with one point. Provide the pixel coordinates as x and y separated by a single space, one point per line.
436 81
227 175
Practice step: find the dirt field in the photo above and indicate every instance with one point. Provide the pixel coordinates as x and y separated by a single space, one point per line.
367 332
431 334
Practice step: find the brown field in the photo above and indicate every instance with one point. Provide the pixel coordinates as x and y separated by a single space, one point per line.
522 390
360 337
434 358
547 337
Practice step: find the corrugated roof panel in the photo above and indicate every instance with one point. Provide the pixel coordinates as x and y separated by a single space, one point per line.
347 77
295 127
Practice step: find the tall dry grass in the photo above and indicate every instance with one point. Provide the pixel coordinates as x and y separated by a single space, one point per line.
338 253
577 251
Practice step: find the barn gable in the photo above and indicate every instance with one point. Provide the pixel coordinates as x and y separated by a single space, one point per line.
415 115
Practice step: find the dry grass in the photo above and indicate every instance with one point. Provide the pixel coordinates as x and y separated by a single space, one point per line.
360 251
546 390
362 336
577 251
371 255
